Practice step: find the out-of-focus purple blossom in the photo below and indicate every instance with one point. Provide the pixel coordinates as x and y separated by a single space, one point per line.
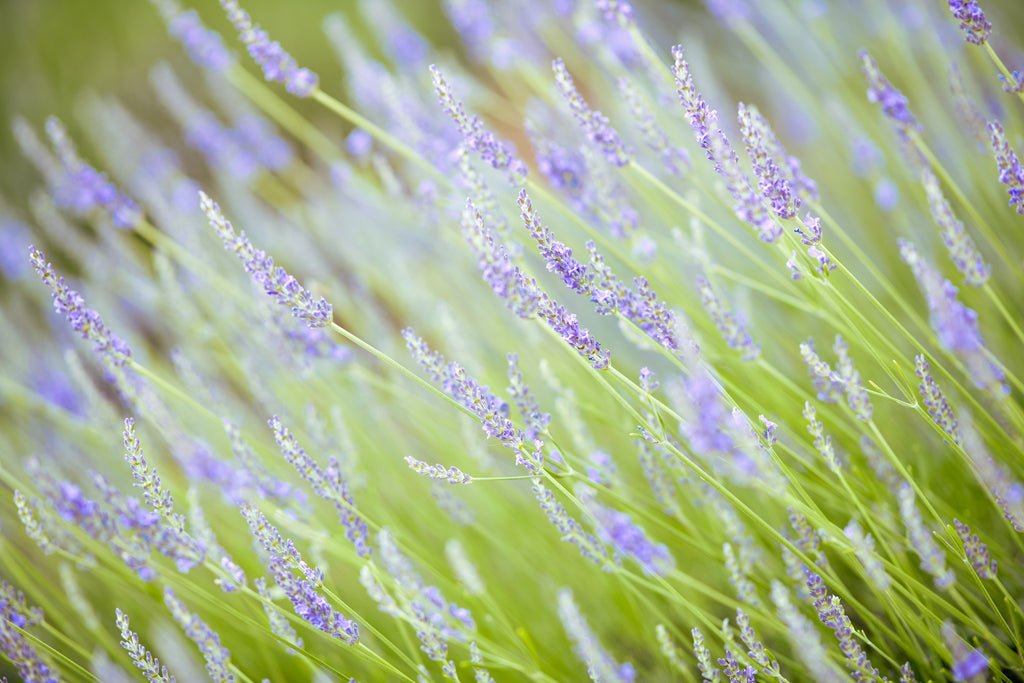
961 248
1007 491
968 662
886 194
275 281
15 238
601 469
743 586
572 531
827 385
595 124
15 646
476 137
976 28
216 655
536 420
732 327
475 24
1014 84
1011 173
202 45
80 188
85 321
822 441
976 551
600 664
626 537
933 560
277 64
616 11
406 47
805 637
893 103
675 159
260 137
729 12
359 143
955 325
856 395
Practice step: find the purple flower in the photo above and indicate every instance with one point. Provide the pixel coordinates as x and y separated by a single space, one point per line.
277 64
452 475
626 537
85 321
976 551
856 395
216 655
832 614
148 664
1011 173
961 248
20 650
731 326
933 560
275 281
616 11
595 124
967 661
894 104
774 181
203 46
976 28
934 400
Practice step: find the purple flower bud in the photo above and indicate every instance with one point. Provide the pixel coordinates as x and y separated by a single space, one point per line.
1011 173
277 64
976 551
976 28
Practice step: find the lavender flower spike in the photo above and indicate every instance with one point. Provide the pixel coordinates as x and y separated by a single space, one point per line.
143 658
277 64
961 248
976 551
452 475
203 46
775 187
933 560
856 395
973 23
595 124
275 281
216 655
935 401
1011 173
894 104
87 322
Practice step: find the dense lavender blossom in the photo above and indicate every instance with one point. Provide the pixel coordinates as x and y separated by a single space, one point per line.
277 64
1011 173
976 551
595 124
976 28
85 321
15 646
773 183
275 281
142 658
832 614
475 136
934 400
303 590
327 483
627 538
961 248
968 662
893 103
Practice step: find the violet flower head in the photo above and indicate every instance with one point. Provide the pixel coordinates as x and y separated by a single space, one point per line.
477 138
933 559
572 531
16 647
80 188
557 257
703 119
148 664
976 551
216 655
627 538
934 400
1011 173
277 65
976 28
731 326
968 662
832 613
893 103
856 394
600 664
773 183
275 281
675 159
961 248
536 419
595 124
85 321
203 46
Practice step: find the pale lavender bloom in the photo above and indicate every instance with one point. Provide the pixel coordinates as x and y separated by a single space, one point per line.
793 267
832 614
303 592
968 662
406 47
810 235
1011 173
826 383
1014 84
529 408
202 45
475 136
80 188
626 537
20 650
600 664
572 531
955 325
617 11
216 655
327 484
277 64
705 664
755 648
557 257
279 624
808 539
85 321
703 120
260 137
745 590
275 281
675 159
359 143
961 248
856 395
729 12
933 560
822 441
452 475
1007 491
731 326
893 103
595 124
934 400
143 658
15 236
475 24
907 674
976 28
773 183
976 551
804 637
863 548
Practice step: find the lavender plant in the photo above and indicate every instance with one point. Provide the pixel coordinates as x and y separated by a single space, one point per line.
542 386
